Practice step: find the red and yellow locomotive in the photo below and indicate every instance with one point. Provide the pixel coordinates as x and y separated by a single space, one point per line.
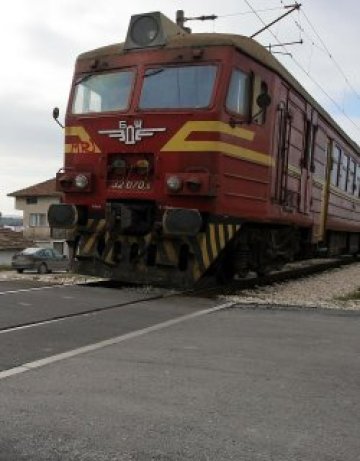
189 154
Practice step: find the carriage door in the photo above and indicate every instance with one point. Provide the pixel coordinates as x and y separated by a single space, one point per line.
307 163
283 130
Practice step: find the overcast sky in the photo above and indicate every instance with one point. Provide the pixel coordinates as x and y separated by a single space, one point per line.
40 40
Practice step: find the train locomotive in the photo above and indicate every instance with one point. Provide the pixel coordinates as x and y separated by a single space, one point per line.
190 155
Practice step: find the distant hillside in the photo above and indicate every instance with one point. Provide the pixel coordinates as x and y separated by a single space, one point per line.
10 221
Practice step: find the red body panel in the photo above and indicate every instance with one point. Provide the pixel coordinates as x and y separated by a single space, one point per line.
257 173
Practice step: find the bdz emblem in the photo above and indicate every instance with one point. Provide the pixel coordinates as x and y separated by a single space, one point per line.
131 134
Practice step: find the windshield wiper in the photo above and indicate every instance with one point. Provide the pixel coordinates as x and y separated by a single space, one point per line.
153 72
83 79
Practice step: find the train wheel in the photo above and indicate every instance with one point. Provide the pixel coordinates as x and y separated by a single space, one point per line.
225 271
263 271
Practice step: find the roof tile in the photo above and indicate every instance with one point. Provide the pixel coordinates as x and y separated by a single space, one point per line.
42 189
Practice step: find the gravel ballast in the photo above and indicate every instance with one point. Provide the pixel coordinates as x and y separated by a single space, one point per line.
59 278
332 289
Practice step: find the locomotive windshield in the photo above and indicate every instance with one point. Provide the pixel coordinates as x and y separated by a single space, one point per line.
177 87
103 92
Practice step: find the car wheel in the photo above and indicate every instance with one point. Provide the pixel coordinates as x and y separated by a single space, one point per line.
19 271
42 269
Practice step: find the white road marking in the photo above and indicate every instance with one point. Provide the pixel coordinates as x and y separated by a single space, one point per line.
109 342
24 304
35 324
22 290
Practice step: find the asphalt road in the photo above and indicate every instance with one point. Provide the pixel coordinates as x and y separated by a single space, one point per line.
35 304
234 384
39 321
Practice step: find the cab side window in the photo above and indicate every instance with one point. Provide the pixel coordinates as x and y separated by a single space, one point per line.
335 166
238 94
259 89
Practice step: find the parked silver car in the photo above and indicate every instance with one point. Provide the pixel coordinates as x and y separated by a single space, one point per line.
42 260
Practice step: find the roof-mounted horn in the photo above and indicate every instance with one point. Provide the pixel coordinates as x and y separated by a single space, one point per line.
150 30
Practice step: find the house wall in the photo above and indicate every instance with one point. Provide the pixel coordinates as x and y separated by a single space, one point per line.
37 233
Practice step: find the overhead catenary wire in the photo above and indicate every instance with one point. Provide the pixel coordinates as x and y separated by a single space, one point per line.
339 68
241 13
323 48
299 65
311 40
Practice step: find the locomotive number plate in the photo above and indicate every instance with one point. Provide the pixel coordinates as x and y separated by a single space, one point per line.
127 184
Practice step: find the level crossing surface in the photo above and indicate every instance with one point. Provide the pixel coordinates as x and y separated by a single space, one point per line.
174 378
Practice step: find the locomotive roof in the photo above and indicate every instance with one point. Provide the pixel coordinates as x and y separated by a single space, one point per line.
243 44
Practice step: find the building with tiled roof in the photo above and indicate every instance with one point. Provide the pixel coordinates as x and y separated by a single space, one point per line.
35 201
42 189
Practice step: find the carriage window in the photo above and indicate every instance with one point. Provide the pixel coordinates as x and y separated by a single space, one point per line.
103 92
351 177
310 131
178 87
335 166
238 95
357 183
343 171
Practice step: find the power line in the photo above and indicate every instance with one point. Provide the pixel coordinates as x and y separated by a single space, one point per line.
339 68
241 13
303 31
323 48
302 68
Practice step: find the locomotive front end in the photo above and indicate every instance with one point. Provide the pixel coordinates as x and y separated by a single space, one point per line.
138 196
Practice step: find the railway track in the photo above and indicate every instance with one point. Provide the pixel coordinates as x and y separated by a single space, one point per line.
58 334
207 290
84 313
296 270
290 271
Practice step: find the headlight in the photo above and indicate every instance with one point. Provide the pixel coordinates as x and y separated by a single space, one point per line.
81 181
193 183
174 183
118 167
144 30
142 167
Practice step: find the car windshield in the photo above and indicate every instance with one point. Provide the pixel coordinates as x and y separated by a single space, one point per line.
177 87
103 92
30 251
